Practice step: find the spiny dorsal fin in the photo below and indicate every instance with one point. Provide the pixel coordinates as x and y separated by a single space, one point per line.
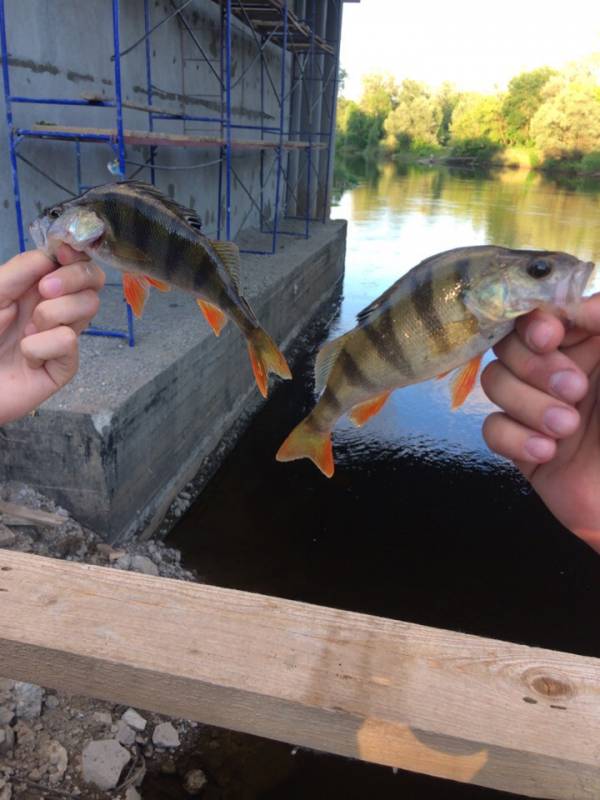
187 214
229 253
325 360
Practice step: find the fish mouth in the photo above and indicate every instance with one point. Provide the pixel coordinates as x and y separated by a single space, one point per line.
579 279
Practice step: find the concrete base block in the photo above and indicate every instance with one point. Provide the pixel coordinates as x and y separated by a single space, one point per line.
117 444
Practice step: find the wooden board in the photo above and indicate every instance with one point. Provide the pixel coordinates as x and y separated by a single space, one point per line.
152 138
476 710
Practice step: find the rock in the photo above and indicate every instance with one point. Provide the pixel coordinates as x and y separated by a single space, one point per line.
124 562
6 715
132 794
5 790
165 735
144 565
57 758
6 687
51 701
103 717
25 735
7 537
194 781
28 698
134 720
102 763
125 734
7 740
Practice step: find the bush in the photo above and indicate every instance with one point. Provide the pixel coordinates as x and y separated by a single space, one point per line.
591 162
480 149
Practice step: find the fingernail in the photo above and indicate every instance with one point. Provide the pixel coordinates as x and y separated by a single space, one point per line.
539 449
52 286
539 334
568 385
561 421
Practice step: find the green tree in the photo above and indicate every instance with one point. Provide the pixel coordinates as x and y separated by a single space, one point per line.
522 100
416 118
447 98
379 95
478 116
568 121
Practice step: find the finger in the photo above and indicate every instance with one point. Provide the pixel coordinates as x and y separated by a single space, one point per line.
540 331
72 309
21 273
512 440
554 373
586 321
56 350
71 279
67 255
7 316
527 405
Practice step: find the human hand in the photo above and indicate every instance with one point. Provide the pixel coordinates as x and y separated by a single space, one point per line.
547 383
42 311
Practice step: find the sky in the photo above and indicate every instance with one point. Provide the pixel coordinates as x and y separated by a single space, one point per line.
477 45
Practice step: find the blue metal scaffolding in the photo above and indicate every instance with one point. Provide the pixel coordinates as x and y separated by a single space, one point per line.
310 82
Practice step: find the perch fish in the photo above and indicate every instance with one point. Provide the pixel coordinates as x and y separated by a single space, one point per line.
156 242
442 314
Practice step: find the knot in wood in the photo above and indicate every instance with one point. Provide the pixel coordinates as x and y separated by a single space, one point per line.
549 685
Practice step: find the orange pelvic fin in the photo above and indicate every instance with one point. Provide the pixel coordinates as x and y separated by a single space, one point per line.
160 285
306 442
135 289
214 316
265 357
443 375
463 383
363 412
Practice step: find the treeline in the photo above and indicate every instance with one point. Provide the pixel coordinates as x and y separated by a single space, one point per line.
545 118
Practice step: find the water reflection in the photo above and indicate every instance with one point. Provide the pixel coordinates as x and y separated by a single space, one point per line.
400 215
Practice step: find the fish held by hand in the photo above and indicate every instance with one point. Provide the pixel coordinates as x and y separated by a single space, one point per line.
155 242
441 315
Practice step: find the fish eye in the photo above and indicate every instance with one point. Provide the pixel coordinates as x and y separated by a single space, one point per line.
539 269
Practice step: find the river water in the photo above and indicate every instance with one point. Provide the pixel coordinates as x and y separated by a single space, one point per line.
420 522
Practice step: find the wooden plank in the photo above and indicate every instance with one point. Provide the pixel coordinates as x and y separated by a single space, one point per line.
172 139
492 713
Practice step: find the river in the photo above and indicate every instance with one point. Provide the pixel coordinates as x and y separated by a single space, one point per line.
420 522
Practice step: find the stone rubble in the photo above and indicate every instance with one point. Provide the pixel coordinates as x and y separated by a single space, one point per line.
55 745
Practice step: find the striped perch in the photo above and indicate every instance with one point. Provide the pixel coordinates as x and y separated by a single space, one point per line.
154 241
443 314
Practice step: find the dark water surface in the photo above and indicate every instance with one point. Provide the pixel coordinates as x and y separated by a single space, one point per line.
420 521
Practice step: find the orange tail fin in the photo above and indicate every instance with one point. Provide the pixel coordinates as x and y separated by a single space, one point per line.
265 357
214 316
463 383
305 442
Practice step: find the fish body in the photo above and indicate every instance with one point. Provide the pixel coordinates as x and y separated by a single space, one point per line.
154 241
442 314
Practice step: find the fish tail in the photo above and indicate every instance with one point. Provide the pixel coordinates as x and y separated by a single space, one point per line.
307 442
266 357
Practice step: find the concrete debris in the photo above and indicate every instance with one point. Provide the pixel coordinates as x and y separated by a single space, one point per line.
102 763
165 735
51 701
132 794
195 781
125 734
143 564
103 717
7 537
28 698
5 789
56 756
134 720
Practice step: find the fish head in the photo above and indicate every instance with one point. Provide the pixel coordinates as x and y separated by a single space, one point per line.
77 225
520 281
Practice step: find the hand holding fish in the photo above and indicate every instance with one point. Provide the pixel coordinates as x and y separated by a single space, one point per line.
547 381
42 310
